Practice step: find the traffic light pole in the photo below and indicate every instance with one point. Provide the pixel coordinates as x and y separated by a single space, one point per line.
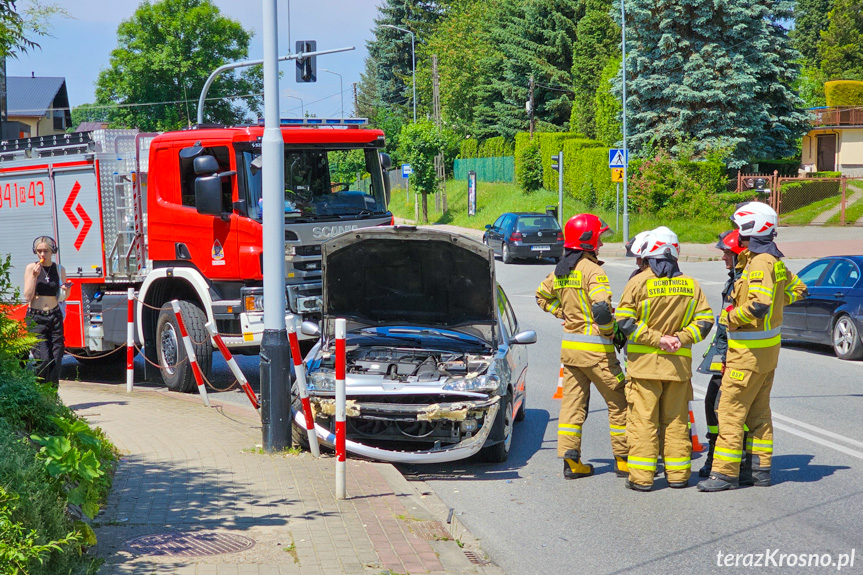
560 190
625 149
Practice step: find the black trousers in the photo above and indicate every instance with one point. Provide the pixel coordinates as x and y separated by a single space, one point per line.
711 403
48 327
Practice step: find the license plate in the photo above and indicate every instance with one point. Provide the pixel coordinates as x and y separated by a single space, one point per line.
540 248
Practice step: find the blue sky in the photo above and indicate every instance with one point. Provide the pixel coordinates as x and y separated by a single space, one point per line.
80 46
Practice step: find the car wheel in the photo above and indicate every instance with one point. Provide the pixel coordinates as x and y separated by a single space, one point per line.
499 452
170 351
846 339
522 411
506 257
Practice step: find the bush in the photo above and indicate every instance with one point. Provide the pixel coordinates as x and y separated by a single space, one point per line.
495 147
586 175
608 108
468 149
528 168
796 195
844 93
824 175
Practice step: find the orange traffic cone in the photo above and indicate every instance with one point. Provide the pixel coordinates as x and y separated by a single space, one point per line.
697 447
559 393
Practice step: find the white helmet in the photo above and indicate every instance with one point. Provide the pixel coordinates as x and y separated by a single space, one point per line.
660 243
755 219
633 246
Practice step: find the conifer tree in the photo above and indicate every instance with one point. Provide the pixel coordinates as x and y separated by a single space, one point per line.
598 41
841 48
719 74
810 19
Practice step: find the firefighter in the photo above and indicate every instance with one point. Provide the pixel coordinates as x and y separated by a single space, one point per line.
753 320
662 312
714 357
633 250
578 292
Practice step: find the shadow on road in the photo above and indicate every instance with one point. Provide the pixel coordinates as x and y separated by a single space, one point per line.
798 469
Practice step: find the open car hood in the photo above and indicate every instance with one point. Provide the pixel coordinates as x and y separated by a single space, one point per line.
403 275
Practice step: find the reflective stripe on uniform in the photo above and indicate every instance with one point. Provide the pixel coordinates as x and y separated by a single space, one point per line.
761 290
553 305
754 339
636 348
541 291
568 429
759 445
641 463
625 312
727 454
704 316
678 463
598 289
696 333
715 367
789 290
743 316
713 429
617 429
587 342
641 327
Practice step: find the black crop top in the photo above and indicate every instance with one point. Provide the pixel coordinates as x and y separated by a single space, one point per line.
49 281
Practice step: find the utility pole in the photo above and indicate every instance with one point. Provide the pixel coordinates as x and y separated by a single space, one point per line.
356 103
440 197
531 106
625 150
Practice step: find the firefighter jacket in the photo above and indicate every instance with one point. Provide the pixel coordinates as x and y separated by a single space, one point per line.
582 299
765 287
651 307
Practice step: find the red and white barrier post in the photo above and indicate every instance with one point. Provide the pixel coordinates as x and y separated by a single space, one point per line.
300 371
341 400
190 353
232 363
130 341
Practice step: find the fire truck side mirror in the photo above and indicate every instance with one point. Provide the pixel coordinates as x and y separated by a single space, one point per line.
208 195
205 165
386 161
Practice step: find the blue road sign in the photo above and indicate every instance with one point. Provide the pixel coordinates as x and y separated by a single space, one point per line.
615 158
407 170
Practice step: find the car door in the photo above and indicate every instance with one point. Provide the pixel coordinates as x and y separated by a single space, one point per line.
516 355
794 316
493 235
830 294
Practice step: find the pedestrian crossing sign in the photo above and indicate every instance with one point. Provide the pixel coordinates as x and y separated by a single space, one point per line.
616 158
616 174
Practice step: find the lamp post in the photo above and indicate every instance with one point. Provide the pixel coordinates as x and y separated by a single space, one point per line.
341 90
302 107
625 150
413 64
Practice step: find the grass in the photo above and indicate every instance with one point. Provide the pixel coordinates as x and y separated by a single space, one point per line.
804 216
853 212
494 199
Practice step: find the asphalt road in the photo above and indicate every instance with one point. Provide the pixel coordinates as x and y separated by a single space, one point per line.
530 520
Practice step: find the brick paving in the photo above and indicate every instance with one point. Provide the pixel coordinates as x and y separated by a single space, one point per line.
186 468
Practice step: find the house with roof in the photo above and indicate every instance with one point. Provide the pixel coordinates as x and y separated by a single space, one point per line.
40 103
835 141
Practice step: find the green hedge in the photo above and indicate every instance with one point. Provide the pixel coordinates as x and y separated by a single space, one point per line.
844 93
586 175
496 147
796 195
468 149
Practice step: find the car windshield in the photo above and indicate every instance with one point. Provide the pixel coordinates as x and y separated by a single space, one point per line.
322 184
532 223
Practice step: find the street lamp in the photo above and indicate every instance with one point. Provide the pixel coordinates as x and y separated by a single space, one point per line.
341 91
413 64
302 108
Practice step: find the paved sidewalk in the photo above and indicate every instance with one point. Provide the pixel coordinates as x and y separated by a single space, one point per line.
196 476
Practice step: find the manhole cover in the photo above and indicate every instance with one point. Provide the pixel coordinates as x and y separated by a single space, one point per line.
189 544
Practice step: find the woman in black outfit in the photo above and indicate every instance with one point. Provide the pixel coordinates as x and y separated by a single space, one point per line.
45 287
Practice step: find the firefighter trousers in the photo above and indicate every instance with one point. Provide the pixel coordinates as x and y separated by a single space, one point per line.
609 380
744 401
658 413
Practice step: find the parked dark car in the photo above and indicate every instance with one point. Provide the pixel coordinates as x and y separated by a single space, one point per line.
833 312
436 359
524 235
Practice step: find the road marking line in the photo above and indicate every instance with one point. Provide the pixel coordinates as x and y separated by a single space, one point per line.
847 450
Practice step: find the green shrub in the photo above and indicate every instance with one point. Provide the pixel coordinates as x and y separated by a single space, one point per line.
586 175
528 168
468 149
608 108
824 175
796 195
496 147
550 143
844 93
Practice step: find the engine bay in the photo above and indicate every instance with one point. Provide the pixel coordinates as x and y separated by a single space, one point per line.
405 365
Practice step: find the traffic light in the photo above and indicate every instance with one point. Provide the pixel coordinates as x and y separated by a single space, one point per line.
306 67
556 162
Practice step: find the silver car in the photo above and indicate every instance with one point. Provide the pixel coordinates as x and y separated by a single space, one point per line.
436 363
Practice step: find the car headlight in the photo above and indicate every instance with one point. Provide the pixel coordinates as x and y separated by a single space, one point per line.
253 299
322 381
481 383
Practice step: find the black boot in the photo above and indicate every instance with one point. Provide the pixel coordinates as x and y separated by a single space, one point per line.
751 472
637 486
708 463
573 468
718 482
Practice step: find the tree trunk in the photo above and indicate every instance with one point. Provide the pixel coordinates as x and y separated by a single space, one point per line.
425 208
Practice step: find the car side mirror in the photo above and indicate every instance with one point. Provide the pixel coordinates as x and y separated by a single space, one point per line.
488 226
310 328
523 338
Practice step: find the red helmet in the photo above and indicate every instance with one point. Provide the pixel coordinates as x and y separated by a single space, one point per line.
582 232
730 241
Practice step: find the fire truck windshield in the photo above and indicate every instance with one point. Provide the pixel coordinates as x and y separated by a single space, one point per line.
322 184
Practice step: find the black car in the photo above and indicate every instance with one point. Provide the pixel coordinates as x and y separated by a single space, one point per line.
833 312
524 235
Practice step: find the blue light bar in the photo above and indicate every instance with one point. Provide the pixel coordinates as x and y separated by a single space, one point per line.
320 121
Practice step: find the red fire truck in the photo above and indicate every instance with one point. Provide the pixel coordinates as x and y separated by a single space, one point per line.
177 215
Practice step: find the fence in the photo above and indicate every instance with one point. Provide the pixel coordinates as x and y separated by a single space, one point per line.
500 169
818 201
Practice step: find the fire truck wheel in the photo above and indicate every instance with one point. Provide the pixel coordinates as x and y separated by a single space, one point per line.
176 373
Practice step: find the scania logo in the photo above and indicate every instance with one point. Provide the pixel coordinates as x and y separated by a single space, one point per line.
320 232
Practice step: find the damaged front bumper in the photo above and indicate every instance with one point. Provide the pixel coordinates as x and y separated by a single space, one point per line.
453 411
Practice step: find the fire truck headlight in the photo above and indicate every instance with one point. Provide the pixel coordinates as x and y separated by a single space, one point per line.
253 303
290 251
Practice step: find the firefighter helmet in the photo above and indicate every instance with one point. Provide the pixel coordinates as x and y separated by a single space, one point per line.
754 219
633 246
730 241
582 232
661 243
